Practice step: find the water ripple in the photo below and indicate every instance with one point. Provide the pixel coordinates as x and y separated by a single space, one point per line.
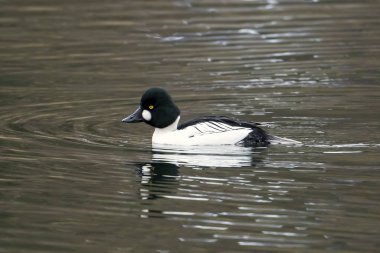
74 178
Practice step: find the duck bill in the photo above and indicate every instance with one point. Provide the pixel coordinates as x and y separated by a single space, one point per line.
134 117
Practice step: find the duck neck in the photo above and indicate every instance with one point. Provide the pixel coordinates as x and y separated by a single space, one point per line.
172 127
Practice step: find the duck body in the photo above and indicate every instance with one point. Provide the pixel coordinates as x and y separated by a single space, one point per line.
158 110
217 130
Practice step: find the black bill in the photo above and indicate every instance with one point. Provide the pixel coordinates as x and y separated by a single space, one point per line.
134 117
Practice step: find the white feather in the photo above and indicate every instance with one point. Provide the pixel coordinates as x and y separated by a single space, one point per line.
146 115
204 133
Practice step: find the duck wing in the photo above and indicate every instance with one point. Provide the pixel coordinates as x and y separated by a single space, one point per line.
252 136
221 121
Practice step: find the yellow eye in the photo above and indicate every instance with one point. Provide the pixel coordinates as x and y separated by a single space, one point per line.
151 107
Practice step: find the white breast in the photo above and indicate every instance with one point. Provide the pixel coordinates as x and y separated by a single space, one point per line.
204 133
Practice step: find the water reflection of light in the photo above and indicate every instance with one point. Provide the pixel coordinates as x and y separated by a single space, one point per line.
263 198
172 176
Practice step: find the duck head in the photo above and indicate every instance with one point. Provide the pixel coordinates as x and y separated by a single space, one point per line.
156 109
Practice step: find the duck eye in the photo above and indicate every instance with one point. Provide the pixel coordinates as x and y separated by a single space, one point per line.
151 107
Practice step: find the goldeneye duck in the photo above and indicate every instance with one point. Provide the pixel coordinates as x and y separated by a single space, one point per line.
158 110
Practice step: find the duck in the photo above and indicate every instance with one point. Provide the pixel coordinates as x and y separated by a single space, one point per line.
158 110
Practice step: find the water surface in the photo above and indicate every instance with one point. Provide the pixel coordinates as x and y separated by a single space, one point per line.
74 179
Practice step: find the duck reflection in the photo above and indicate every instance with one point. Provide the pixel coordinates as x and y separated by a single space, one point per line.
161 176
205 156
158 172
157 179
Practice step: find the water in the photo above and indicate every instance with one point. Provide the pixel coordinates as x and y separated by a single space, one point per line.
74 179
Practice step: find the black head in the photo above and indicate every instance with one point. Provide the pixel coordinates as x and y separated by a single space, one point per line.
156 109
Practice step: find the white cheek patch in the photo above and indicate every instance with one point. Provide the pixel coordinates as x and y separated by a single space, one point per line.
146 115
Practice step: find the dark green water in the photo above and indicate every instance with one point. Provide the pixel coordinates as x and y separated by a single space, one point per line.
74 179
